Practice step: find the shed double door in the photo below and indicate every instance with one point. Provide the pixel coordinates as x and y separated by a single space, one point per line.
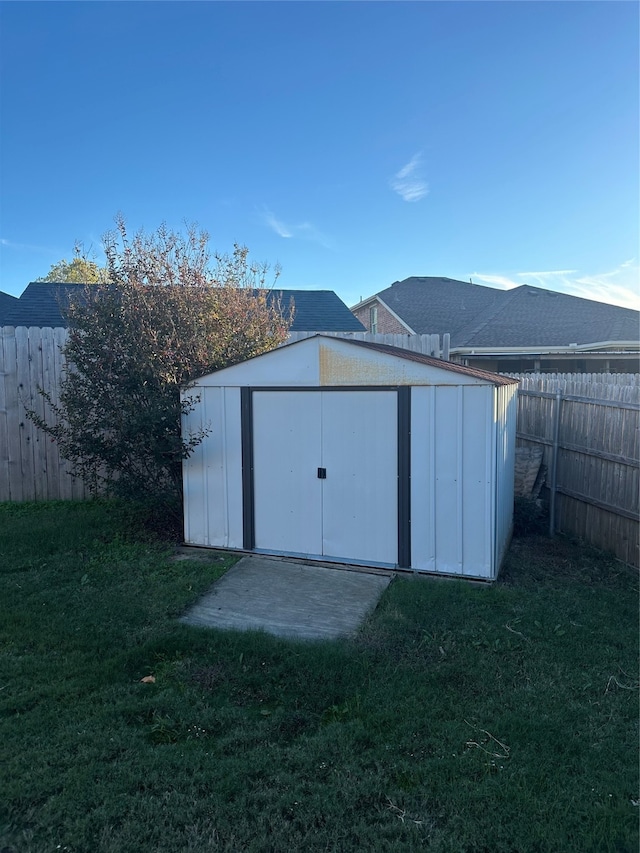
325 474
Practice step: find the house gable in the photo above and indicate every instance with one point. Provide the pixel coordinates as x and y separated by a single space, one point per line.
386 322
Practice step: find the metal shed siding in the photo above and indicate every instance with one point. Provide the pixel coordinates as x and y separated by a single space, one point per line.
478 482
505 421
277 367
345 364
460 460
349 513
362 440
213 473
452 480
287 429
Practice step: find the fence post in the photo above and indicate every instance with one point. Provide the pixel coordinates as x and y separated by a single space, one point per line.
554 464
446 343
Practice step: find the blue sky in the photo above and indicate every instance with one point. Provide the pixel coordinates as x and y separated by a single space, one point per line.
354 143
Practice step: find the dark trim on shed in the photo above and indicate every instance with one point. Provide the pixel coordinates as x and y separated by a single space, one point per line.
326 388
404 476
248 502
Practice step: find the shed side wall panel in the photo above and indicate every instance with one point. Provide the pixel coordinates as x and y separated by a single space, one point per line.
505 421
477 481
423 481
448 470
214 455
452 480
194 477
213 473
232 469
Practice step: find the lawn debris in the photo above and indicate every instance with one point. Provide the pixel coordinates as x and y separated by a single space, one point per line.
513 631
614 681
506 750
148 679
401 814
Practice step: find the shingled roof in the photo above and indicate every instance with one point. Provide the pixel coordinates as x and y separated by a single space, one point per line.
7 303
42 304
478 316
532 316
432 305
317 311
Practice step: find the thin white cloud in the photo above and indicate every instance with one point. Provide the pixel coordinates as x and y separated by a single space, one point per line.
275 224
303 231
409 182
545 276
619 286
23 247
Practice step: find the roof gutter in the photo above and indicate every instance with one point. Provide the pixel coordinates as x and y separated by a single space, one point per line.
601 346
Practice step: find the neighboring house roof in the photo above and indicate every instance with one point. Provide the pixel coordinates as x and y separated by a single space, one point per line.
436 305
532 316
7 302
317 311
42 304
478 316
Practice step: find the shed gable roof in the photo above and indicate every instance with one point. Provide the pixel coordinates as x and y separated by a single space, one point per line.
323 361
421 358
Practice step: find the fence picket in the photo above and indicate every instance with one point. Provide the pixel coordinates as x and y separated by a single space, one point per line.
30 464
599 462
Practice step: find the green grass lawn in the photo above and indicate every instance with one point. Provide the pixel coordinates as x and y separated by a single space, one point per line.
462 718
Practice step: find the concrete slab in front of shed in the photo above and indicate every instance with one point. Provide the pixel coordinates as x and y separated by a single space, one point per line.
289 599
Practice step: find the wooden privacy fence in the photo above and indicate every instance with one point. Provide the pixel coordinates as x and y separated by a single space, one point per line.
426 344
589 428
30 465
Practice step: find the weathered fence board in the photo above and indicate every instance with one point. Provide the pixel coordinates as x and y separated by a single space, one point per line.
597 482
30 465
426 344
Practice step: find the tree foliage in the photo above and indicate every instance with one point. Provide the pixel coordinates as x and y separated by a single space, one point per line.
81 270
168 314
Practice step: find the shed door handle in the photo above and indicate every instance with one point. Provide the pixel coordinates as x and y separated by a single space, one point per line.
322 473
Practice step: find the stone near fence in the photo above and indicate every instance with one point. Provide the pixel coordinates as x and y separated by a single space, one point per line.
528 461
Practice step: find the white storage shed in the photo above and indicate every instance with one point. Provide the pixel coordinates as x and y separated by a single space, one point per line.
360 453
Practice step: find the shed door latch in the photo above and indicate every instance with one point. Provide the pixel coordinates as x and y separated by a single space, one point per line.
322 473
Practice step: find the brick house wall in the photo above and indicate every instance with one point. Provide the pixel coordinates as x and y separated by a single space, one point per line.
387 323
